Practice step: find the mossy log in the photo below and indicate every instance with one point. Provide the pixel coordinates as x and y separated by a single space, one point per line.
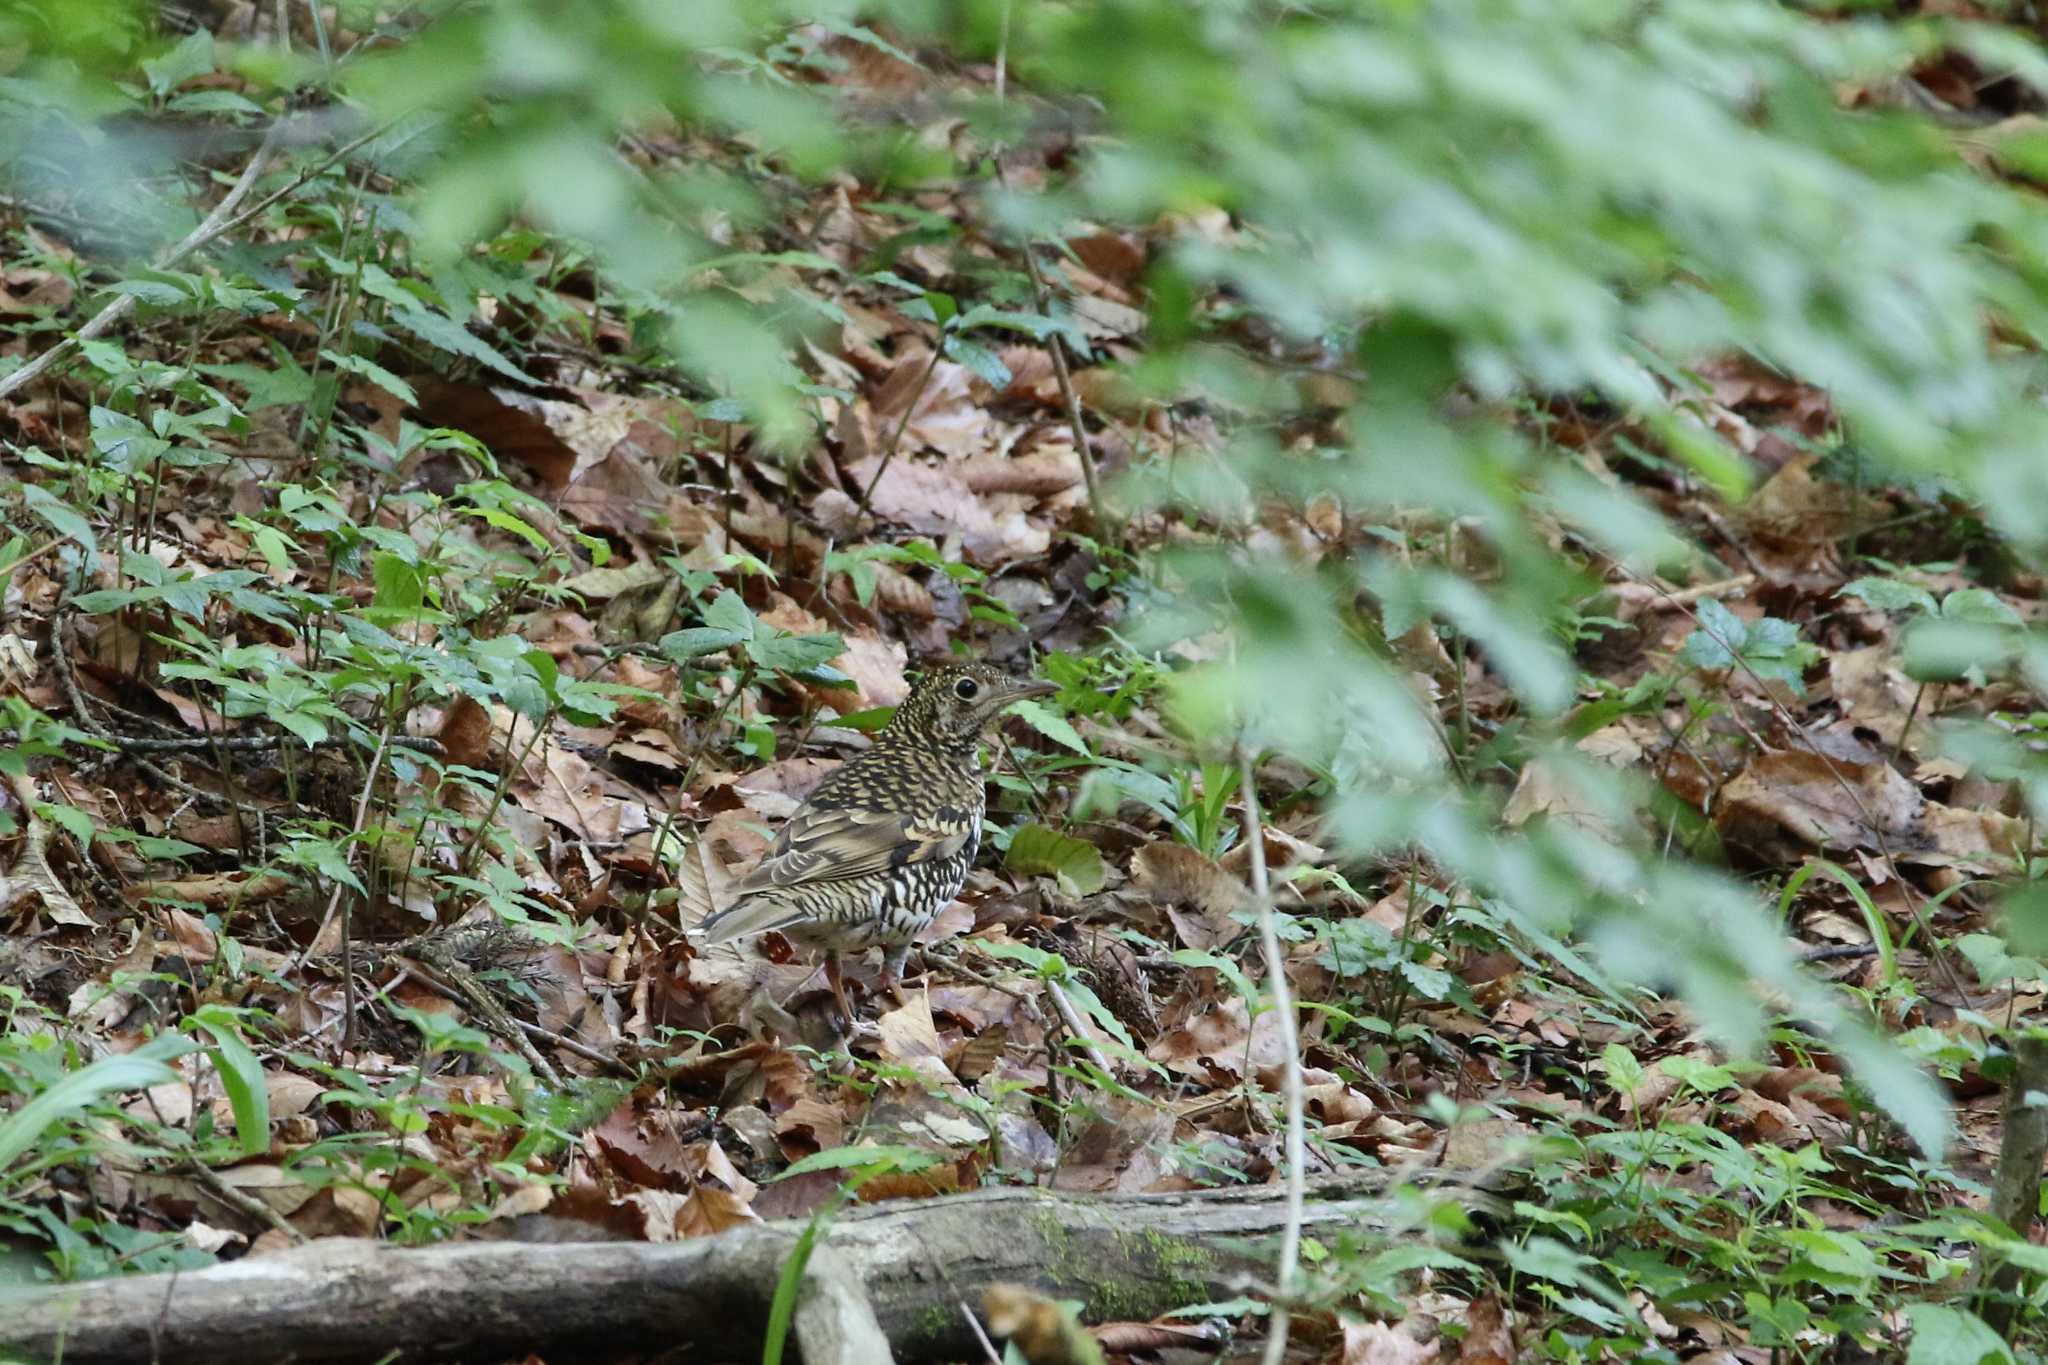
902 1267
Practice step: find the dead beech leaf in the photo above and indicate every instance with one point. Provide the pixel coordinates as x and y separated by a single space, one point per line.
1842 805
1214 1043
937 501
1040 474
1765 1120
706 1212
1979 840
1872 691
1379 1343
220 888
538 432
945 416
1128 1338
1788 1084
1282 850
908 1036
1106 320
1198 895
1117 256
1488 1340
978 1056
1796 514
1823 802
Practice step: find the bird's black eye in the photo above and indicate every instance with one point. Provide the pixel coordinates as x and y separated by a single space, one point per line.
966 689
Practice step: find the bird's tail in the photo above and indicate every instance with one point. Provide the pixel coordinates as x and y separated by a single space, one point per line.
746 917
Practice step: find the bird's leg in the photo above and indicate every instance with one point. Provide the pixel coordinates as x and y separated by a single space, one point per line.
892 970
838 984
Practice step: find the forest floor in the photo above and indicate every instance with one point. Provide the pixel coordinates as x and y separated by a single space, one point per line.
436 960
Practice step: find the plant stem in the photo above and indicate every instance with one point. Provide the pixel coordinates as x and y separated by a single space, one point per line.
1290 1042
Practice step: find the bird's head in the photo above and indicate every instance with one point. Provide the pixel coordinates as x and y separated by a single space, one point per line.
950 705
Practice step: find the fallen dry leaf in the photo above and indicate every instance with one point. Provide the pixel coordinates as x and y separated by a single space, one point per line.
1379 1343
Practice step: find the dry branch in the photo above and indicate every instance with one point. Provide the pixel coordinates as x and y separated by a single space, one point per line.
2016 1187
1127 1256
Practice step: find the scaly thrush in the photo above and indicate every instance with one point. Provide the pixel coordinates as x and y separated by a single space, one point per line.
884 843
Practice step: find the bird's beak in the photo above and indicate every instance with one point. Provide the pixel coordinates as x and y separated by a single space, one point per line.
1026 688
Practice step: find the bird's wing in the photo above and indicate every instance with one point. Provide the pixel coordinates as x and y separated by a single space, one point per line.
833 845
827 846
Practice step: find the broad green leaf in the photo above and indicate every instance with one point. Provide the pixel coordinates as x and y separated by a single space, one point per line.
1052 725
696 641
795 653
728 612
1943 1335
1037 851
1980 607
1720 637
1891 594
241 1075
59 514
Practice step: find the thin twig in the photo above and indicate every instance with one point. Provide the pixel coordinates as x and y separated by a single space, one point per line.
242 1202
1056 347
531 1030
356 828
1071 1017
1290 1046
1055 344
896 436
209 228
980 1335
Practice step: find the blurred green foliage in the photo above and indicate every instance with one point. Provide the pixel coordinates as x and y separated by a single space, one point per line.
1460 202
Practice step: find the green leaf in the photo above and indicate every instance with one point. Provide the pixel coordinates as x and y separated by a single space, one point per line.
1953 1336
1053 726
400 587
683 645
449 335
71 819
505 521
788 1284
784 653
60 516
1907 1095
1036 851
728 612
106 600
1890 594
1979 606
193 56
1720 637
980 359
241 1075
1624 1070
867 722
862 1158
1938 649
375 373
1228 969
78 1091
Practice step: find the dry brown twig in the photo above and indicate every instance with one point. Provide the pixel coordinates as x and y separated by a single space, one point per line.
1296 1143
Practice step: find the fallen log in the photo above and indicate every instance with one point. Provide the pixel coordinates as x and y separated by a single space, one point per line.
898 1270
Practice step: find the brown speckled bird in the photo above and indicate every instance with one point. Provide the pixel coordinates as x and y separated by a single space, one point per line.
885 842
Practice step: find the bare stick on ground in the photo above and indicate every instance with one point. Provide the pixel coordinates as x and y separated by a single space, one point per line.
1126 1256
